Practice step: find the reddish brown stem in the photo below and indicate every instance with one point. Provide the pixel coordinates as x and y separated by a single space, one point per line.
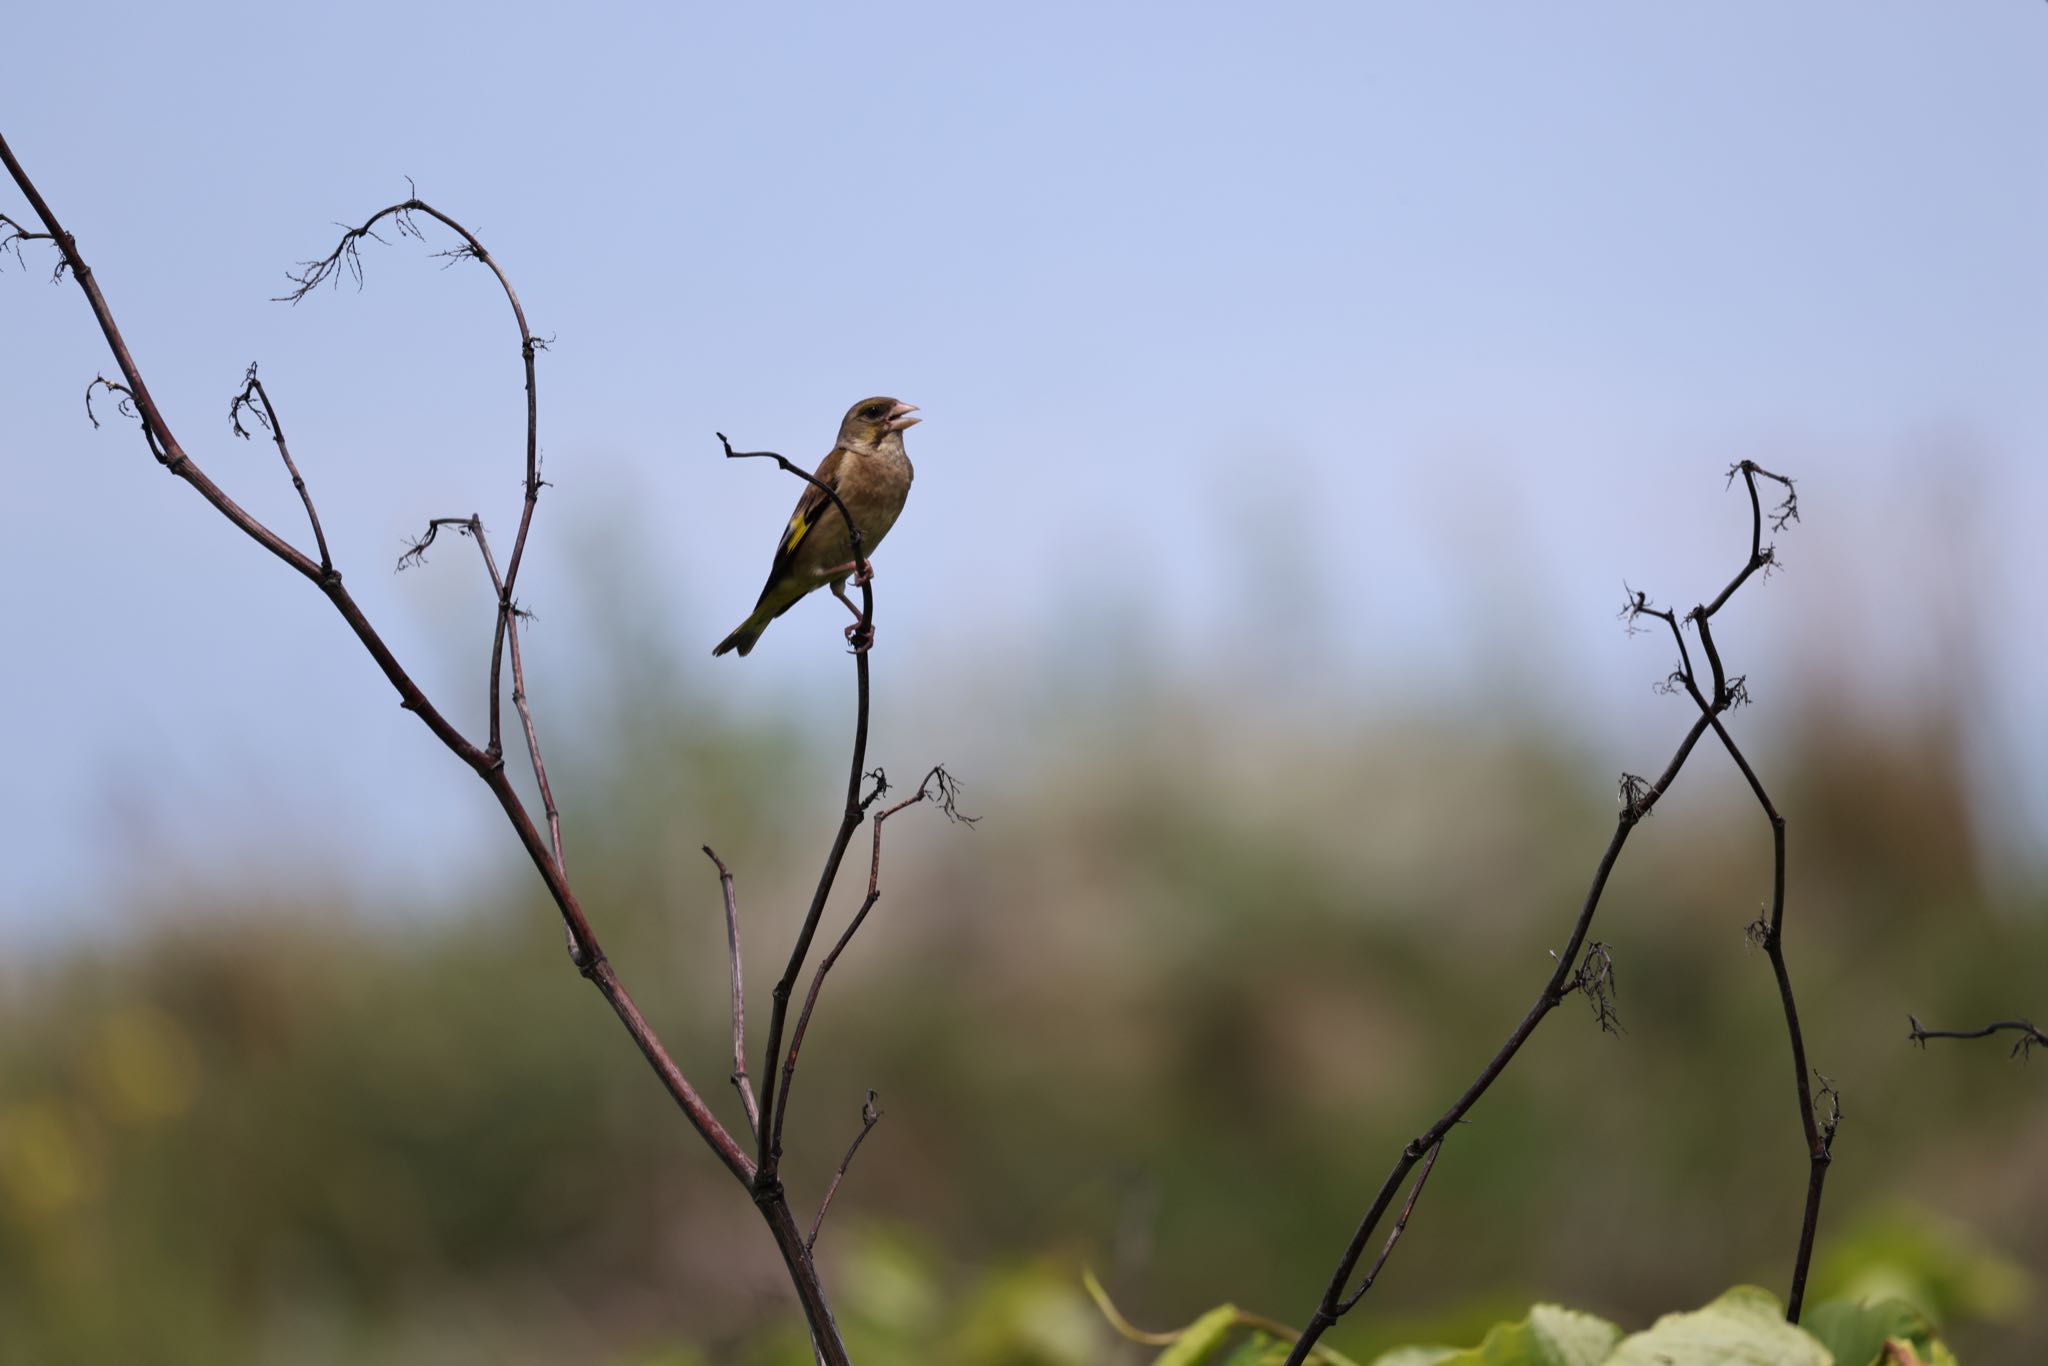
869 1118
487 763
508 629
741 1082
938 783
257 400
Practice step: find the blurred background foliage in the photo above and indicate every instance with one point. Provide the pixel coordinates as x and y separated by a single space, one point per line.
1167 1013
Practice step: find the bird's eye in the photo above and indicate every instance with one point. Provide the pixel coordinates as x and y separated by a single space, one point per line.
873 412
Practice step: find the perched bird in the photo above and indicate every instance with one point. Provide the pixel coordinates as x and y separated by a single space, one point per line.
871 475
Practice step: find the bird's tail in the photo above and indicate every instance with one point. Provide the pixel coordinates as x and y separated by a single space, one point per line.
746 633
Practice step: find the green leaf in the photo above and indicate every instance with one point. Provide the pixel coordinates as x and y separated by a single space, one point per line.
1200 1338
1260 1349
1550 1336
1856 1333
1745 1327
1946 1268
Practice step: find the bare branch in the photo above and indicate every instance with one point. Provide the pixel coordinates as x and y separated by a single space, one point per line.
510 614
346 258
1761 556
741 1082
257 400
2029 1034
1727 695
13 234
488 764
416 549
1400 1226
125 405
869 1117
938 787
1594 975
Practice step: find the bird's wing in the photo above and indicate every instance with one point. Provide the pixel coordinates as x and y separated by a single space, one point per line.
810 508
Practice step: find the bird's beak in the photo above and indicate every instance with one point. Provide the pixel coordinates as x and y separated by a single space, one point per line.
900 417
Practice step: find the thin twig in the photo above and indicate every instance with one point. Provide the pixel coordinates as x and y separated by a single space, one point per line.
2029 1033
509 617
507 635
256 399
125 406
938 786
16 234
741 1082
1400 1224
346 258
869 1118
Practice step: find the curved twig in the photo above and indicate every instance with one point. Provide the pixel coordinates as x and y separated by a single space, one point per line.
869 1118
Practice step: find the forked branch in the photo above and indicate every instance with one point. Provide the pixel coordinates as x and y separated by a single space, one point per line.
938 787
1593 974
487 761
257 400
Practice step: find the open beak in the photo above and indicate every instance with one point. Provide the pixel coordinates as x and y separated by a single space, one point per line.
900 417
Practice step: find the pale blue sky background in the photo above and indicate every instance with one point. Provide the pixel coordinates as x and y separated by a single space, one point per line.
1352 353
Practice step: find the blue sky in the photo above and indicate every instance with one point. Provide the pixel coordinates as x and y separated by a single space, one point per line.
1326 347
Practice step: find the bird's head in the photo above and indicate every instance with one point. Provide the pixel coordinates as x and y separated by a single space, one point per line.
872 421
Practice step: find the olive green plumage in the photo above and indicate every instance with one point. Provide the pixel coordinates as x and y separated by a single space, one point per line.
871 475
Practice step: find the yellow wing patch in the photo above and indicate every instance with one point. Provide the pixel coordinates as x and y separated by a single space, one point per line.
799 527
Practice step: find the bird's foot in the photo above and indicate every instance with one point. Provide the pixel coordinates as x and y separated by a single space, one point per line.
839 592
861 636
850 569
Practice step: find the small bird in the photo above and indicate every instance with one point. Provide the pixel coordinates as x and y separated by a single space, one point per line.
871 475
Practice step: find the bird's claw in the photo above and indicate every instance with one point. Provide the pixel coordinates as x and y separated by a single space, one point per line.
861 636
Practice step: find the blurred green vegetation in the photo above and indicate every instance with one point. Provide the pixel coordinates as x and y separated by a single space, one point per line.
1169 1012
